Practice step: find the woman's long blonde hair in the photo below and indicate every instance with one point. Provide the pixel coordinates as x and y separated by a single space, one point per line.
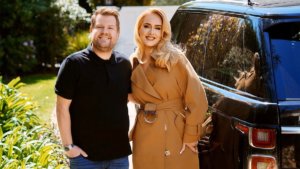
165 53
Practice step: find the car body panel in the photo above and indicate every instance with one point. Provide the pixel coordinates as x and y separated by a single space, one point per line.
200 26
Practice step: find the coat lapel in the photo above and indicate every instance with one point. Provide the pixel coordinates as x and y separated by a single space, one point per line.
140 80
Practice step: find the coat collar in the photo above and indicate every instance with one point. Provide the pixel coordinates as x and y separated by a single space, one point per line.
140 80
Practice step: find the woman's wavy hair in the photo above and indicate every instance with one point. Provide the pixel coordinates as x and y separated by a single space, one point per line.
165 53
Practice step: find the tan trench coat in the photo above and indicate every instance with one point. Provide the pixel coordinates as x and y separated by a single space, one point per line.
181 105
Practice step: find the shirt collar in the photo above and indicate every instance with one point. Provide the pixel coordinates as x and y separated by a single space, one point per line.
95 57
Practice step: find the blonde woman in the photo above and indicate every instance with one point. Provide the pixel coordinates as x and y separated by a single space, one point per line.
172 101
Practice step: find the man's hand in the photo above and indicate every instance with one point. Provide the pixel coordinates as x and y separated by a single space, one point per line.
193 146
75 152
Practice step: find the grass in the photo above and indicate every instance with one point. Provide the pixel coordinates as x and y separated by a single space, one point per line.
40 88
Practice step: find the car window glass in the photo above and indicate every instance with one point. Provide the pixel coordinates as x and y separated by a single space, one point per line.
177 23
214 46
285 44
190 33
250 79
223 49
224 52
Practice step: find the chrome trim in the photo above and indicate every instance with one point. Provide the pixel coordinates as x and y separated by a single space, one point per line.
290 130
292 99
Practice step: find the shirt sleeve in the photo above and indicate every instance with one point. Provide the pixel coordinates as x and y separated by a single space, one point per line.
195 101
66 79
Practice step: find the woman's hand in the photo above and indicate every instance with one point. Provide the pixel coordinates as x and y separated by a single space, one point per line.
75 152
193 146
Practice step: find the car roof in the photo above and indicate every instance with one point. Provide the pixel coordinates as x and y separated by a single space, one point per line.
262 8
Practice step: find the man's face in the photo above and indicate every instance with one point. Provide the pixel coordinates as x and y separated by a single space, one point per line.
105 33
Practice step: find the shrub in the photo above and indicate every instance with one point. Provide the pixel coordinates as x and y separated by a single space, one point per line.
76 43
24 141
33 33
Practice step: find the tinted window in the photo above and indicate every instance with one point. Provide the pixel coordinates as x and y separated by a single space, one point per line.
214 45
254 72
188 31
285 44
223 54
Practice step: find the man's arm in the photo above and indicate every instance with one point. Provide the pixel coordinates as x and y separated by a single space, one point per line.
64 125
64 120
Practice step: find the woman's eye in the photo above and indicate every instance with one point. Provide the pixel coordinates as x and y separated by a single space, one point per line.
158 28
146 26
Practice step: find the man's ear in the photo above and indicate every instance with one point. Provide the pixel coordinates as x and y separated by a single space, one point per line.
119 32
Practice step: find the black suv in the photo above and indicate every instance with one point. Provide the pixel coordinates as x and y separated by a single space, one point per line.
247 54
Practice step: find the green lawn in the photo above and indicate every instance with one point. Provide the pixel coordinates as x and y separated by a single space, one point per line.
40 88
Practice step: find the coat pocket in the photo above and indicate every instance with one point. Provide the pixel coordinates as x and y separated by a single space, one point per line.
179 124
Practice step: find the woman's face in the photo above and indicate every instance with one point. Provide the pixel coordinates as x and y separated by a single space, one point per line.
151 30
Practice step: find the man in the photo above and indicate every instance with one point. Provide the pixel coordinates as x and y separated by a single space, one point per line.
92 88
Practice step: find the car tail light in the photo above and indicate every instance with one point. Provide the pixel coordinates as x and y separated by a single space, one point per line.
258 137
262 138
242 128
262 162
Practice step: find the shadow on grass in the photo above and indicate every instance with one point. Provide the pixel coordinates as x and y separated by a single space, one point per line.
32 79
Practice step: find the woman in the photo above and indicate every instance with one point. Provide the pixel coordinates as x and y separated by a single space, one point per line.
171 98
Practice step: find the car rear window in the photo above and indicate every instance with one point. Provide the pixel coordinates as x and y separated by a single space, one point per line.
285 48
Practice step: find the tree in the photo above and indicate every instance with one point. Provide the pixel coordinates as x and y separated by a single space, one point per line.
49 41
169 2
84 4
94 3
16 37
33 33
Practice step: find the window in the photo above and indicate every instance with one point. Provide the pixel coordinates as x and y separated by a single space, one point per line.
253 72
190 32
213 44
285 44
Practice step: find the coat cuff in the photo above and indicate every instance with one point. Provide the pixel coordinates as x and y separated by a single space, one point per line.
191 133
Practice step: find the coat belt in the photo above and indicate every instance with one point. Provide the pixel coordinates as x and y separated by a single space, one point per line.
173 104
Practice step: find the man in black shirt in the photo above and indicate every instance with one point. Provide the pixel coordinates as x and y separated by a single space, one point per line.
92 88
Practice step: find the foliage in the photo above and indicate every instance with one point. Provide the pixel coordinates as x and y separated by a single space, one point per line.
78 18
94 3
33 33
50 41
16 37
72 9
77 42
24 141
132 2
169 2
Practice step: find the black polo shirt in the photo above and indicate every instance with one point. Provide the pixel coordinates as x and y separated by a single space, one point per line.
98 89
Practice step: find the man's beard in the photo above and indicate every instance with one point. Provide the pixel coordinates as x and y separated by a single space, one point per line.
102 47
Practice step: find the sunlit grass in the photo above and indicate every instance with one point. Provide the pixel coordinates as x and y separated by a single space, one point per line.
40 88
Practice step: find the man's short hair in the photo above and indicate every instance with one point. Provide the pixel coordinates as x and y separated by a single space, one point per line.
105 11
